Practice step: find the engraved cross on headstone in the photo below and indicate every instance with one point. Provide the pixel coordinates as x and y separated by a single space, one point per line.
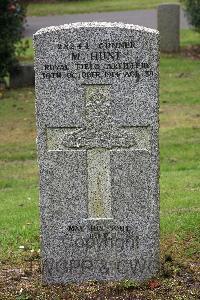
99 135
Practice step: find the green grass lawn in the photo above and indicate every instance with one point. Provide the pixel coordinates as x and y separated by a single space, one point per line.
89 6
179 157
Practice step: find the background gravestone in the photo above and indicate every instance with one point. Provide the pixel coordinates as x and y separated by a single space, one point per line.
97 124
169 27
22 75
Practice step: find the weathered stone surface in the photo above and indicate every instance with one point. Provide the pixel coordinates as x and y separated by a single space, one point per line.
22 75
169 27
97 124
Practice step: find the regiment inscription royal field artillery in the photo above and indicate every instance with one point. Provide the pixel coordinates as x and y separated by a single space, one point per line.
97 124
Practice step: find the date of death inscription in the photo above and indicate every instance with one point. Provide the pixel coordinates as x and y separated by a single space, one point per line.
110 60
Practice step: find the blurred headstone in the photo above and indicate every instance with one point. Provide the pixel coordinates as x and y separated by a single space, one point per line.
22 75
169 27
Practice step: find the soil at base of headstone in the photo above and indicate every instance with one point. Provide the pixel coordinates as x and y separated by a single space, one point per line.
23 282
192 51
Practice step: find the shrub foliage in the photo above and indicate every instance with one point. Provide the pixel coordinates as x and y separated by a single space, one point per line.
12 16
193 12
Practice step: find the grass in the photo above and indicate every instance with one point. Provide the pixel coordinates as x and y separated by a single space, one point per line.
18 172
189 37
179 81
179 142
180 166
89 6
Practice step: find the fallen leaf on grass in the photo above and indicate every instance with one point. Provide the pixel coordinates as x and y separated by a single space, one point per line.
153 284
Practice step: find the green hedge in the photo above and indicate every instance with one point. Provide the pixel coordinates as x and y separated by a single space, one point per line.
12 16
192 8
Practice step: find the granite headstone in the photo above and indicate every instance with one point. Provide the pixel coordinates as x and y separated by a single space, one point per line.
97 125
169 27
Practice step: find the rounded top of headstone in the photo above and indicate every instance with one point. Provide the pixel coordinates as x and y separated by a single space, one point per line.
53 29
169 5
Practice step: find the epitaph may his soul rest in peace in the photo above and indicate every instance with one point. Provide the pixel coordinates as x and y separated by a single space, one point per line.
97 125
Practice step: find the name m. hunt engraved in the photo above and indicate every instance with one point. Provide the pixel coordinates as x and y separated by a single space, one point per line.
99 135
